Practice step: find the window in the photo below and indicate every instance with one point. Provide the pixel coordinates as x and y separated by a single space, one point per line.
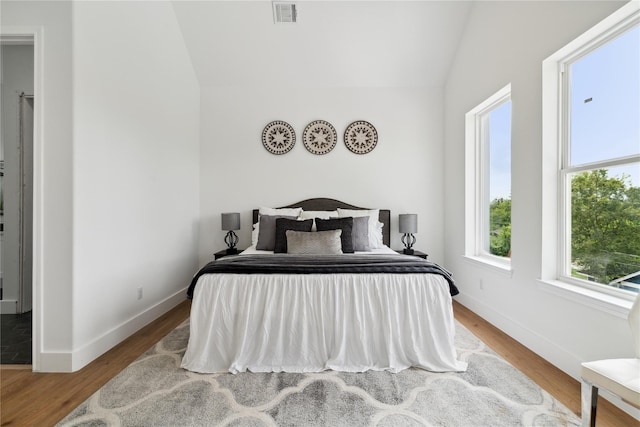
488 185
597 136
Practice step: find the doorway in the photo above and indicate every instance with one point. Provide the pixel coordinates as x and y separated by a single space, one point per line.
16 202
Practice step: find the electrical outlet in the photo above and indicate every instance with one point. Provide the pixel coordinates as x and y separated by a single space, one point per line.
139 293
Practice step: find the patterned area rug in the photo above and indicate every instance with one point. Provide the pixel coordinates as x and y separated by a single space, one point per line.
155 391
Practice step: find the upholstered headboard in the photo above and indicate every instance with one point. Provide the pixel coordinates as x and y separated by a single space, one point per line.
323 204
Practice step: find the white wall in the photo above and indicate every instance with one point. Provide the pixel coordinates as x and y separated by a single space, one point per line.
403 173
119 116
136 146
53 309
341 62
506 42
17 77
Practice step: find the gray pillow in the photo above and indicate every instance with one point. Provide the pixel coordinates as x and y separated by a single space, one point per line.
314 242
360 234
267 231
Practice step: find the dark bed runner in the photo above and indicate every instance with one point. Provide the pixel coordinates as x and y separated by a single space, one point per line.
322 264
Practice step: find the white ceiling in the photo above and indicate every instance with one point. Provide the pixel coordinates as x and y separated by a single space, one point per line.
333 44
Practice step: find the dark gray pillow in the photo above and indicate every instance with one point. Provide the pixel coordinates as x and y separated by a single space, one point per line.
284 224
267 231
360 234
344 224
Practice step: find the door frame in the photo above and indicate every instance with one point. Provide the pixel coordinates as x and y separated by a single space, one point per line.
34 35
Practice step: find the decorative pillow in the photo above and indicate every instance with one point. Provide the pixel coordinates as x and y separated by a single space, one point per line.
284 224
375 233
344 224
360 234
267 231
314 243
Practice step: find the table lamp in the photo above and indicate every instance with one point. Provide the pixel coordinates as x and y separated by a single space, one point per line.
408 225
230 222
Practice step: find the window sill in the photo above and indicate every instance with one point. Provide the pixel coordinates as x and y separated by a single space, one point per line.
490 265
611 304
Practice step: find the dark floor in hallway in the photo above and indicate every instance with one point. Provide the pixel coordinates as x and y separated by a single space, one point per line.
15 339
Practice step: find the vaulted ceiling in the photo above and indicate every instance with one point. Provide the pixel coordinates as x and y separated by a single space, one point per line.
333 44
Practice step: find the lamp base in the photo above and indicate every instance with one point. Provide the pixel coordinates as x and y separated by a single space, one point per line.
408 239
231 239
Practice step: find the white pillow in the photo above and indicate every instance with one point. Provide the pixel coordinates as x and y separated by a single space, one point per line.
317 214
254 233
280 211
375 232
379 227
271 211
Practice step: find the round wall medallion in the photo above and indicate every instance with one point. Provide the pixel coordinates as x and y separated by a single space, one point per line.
360 137
319 137
278 137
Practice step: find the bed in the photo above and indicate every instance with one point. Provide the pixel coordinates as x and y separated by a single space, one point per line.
300 310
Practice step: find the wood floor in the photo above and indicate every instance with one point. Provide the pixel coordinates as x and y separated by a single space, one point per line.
43 399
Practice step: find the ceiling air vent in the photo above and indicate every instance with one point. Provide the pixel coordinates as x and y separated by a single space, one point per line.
284 12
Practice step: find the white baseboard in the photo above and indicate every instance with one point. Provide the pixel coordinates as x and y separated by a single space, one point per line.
557 356
54 362
80 357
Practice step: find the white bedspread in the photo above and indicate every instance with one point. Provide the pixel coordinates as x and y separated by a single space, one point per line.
311 323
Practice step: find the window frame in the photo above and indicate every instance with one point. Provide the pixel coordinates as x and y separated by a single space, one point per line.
477 158
557 170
